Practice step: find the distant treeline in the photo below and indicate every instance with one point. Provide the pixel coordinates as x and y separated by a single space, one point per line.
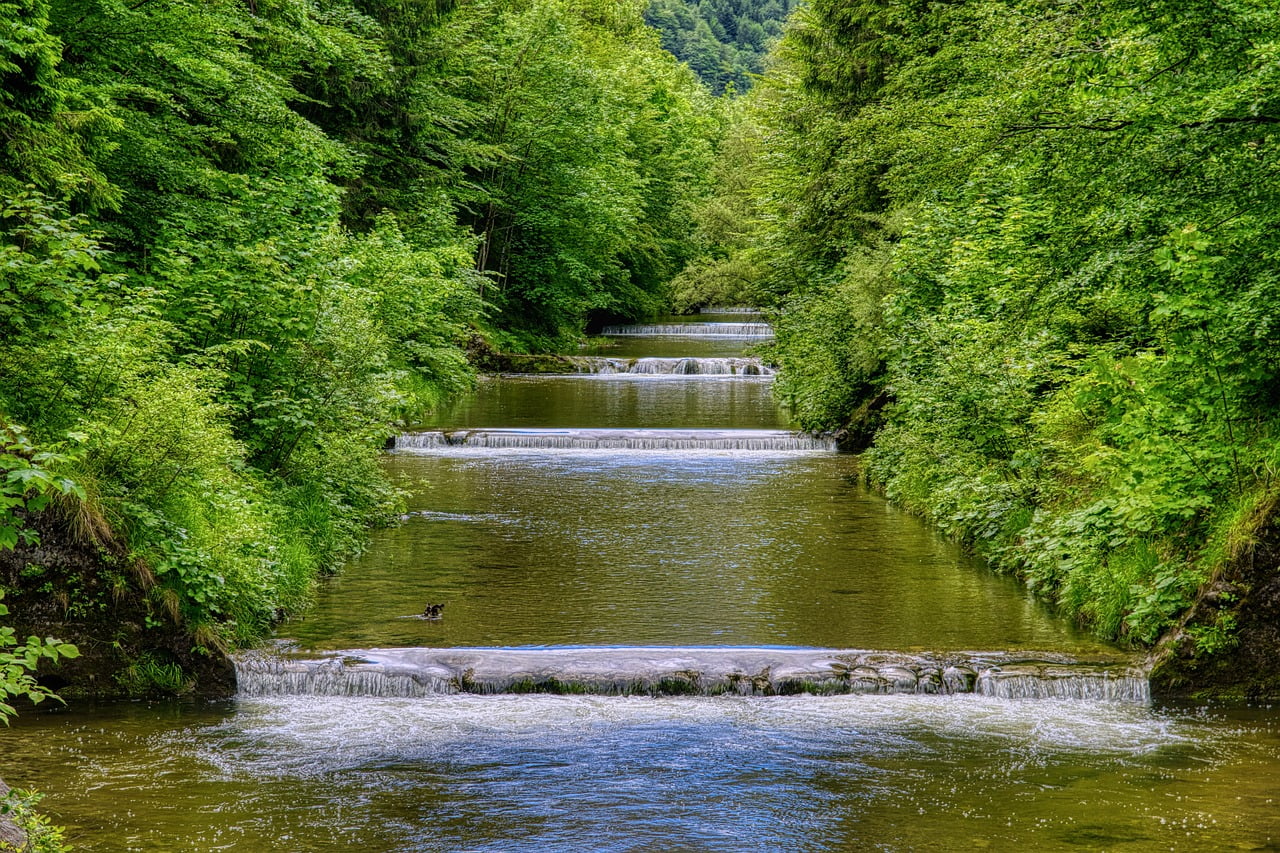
724 41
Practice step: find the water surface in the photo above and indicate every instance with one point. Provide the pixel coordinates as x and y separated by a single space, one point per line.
551 773
530 547
537 548
586 401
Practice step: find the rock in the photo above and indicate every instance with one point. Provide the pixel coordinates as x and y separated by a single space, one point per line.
10 835
959 679
1204 657
113 627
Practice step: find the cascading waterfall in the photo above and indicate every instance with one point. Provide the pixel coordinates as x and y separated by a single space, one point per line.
602 366
676 671
729 309
694 671
681 330
615 439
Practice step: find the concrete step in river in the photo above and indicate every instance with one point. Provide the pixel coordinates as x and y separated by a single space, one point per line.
719 330
742 440
690 671
729 309
682 367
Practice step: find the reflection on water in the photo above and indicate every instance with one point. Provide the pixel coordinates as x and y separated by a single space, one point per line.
666 548
589 401
704 328
675 347
605 774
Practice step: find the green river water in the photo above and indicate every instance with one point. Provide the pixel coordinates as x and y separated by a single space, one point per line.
538 547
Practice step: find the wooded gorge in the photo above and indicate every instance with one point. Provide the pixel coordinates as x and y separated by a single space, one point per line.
1023 253
598 425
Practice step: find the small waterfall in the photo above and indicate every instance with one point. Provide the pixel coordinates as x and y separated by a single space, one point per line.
1073 685
729 309
660 671
683 330
615 439
599 366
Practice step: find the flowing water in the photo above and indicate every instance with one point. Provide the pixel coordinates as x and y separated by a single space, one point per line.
691 336
605 401
718 330
669 624
680 367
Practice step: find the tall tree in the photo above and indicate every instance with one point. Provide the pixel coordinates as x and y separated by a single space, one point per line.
1034 230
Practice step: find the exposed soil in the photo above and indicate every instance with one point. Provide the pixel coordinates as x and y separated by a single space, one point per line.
1248 592
85 595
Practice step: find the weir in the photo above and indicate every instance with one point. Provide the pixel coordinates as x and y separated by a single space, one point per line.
602 366
730 309
681 330
691 671
615 439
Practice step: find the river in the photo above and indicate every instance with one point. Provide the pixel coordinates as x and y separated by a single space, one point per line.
626 538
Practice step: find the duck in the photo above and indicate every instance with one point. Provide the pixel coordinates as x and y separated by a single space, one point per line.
433 611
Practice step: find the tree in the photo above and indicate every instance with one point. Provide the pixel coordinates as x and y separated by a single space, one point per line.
1035 232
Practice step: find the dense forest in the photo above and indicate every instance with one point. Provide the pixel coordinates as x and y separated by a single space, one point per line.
243 242
1023 256
1021 253
1025 253
726 42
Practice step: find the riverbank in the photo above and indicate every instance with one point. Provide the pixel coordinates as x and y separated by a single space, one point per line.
22 828
12 837
106 605
1224 647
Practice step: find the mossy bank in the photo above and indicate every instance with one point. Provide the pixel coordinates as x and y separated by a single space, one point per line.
131 644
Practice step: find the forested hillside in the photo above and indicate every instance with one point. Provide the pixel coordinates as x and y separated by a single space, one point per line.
1023 254
241 242
724 41
1028 252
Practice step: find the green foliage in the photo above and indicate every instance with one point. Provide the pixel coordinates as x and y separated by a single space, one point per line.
26 486
19 808
594 144
18 662
1045 236
725 42
826 347
147 675
725 270
242 244
50 125
1217 637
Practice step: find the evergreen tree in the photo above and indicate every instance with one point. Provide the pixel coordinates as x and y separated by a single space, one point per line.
724 41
